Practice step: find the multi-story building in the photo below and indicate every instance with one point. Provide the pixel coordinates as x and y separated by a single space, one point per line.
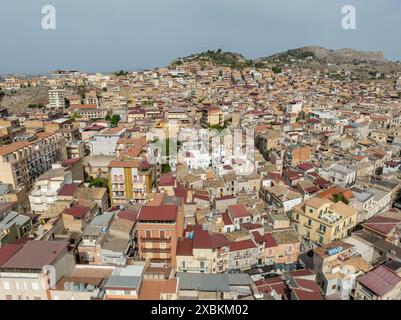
46 188
337 266
323 221
56 99
203 251
158 229
31 279
212 116
23 161
296 154
105 142
75 149
130 181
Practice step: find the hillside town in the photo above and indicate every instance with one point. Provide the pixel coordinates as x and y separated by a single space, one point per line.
202 180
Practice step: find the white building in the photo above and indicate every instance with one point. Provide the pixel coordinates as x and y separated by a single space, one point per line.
56 99
105 142
44 192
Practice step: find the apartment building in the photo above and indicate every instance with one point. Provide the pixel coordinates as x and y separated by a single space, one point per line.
337 266
23 161
323 221
130 181
296 154
158 229
46 188
27 271
203 252
212 116
105 142
75 149
381 283
57 99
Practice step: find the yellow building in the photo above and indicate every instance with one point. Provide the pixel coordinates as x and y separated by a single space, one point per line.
323 221
130 180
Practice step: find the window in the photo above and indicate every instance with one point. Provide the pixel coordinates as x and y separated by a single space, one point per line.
309 222
322 228
321 239
148 234
162 234
297 217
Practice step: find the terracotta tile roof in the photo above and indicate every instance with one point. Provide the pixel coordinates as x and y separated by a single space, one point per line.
153 289
238 211
242 245
167 179
124 164
68 190
226 219
204 239
158 213
77 211
128 215
184 247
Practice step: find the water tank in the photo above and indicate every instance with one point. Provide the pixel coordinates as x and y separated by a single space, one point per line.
191 235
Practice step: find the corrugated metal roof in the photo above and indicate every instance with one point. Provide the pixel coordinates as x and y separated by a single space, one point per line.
203 282
129 282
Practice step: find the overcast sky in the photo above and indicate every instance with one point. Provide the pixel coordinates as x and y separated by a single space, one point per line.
109 35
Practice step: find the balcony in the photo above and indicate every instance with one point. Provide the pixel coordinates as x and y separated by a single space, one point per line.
146 239
156 250
309 226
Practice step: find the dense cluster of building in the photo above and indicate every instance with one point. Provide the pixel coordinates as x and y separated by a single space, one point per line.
94 203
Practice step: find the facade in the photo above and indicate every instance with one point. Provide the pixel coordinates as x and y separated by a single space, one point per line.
322 221
56 99
22 162
105 142
130 181
158 229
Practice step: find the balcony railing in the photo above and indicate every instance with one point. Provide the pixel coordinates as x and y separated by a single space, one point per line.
150 239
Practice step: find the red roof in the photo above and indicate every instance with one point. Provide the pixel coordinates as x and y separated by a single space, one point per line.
267 239
68 190
226 219
77 211
381 280
242 245
305 166
205 240
158 213
68 162
307 290
238 211
36 254
128 215
184 247
8 251
381 225
167 179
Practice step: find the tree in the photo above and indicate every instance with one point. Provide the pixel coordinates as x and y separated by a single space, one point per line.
98 182
340 197
107 118
277 69
115 119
